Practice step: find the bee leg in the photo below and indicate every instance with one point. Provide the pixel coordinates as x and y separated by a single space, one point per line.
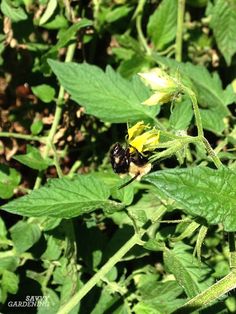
127 183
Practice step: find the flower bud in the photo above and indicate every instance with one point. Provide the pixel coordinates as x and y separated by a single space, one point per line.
164 86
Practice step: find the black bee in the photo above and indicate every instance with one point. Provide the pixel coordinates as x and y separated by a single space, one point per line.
125 162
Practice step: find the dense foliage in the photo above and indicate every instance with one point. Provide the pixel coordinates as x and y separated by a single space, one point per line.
157 76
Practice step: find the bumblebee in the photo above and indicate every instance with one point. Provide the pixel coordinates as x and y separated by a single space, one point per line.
124 162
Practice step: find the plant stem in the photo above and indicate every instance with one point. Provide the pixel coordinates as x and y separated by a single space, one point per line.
179 31
211 152
175 146
48 276
108 266
57 161
198 121
138 17
232 249
196 111
57 117
27 137
211 294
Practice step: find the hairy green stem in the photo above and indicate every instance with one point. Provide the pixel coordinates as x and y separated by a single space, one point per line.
138 17
168 50
179 31
57 116
211 152
196 111
27 137
57 161
198 121
175 146
48 276
220 288
135 239
200 238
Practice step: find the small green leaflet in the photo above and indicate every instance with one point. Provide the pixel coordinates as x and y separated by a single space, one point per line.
24 235
44 92
51 7
9 283
192 276
12 10
64 198
105 95
162 24
181 114
33 159
201 191
9 180
66 36
223 24
158 297
117 13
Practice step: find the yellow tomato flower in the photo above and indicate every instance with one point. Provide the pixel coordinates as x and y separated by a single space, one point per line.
136 129
141 140
163 85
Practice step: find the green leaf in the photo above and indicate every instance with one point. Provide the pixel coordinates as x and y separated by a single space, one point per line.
223 24
9 262
59 22
162 23
65 37
105 302
209 87
114 182
51 7
53 250
159 297
105 95
36 127
10 282
9 180
15 13
65 198
68 34
192 276
181 115
49 223
51 304
3 229
210 94
44 92
201 191
33 159
135 64
25 235
213 120
117 13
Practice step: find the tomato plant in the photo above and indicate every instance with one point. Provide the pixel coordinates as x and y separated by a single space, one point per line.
117 157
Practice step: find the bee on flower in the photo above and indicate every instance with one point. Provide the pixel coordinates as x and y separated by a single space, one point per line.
133 160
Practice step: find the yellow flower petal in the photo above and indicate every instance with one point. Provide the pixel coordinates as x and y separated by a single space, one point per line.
158 98
145 142
136 129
